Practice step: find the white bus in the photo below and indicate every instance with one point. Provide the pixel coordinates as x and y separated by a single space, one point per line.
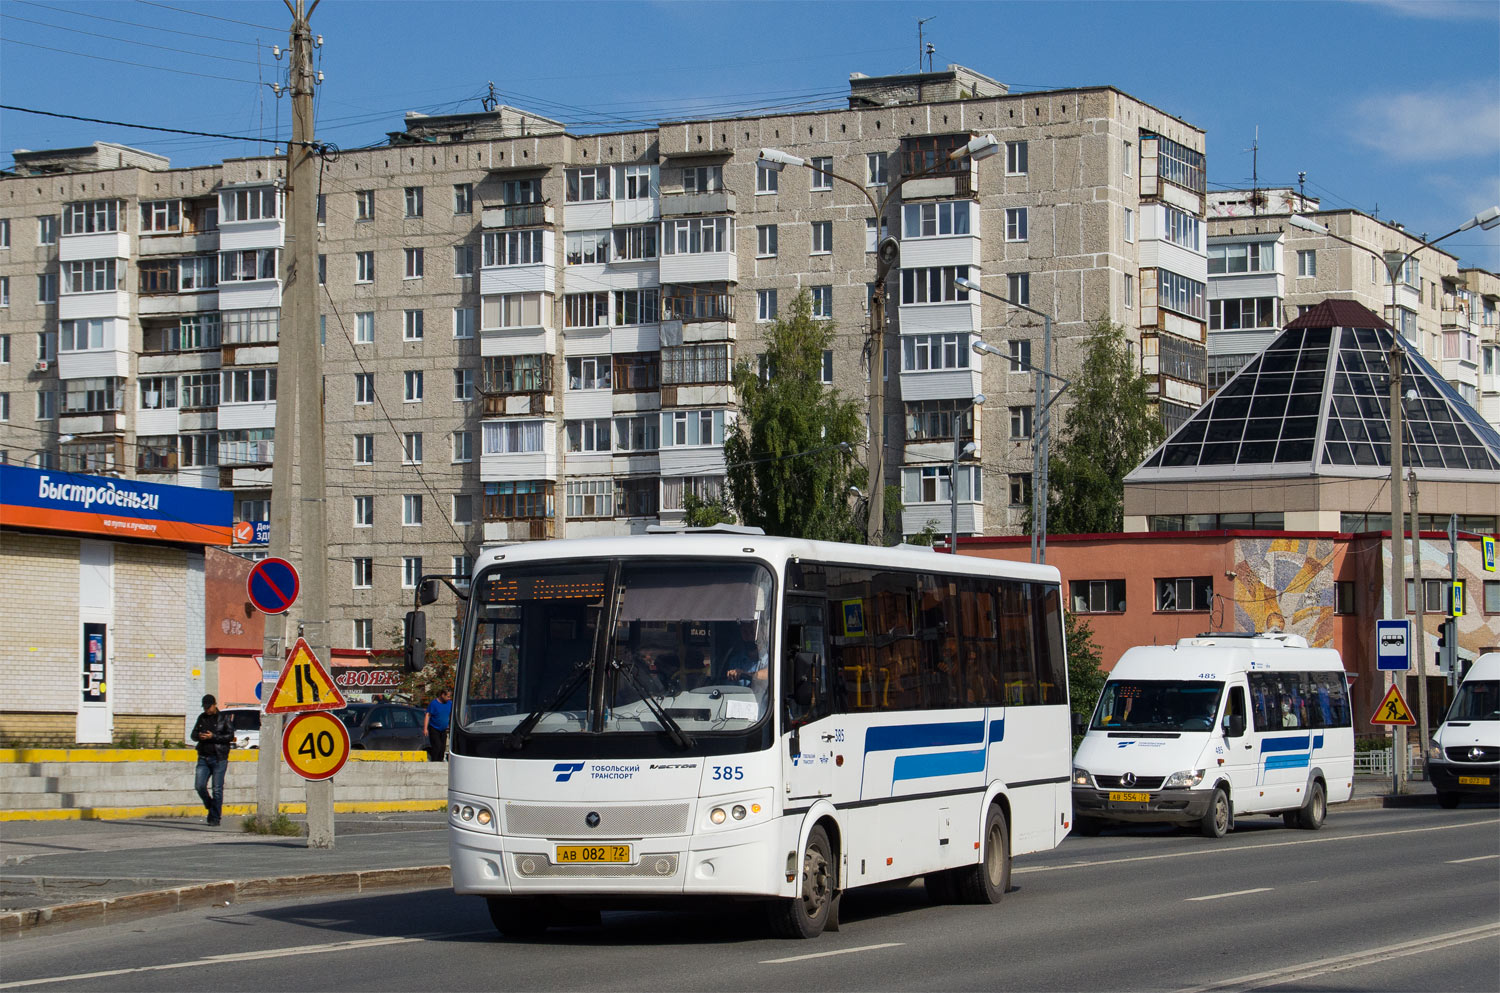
735 716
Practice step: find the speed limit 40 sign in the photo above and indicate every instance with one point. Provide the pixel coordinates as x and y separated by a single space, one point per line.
315 745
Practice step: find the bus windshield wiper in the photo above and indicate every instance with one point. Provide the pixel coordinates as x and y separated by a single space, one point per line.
679 737
516 740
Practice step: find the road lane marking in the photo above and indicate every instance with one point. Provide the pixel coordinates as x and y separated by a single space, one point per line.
1247 848
1220 896
356 944
1354 960
840 951
1477 858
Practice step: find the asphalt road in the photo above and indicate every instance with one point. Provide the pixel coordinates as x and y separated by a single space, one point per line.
1378 900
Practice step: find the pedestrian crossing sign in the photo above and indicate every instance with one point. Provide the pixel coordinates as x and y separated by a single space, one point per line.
1393 709
1487 544
304 685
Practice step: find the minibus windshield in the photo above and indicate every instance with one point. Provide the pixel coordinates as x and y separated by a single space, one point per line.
1477 700
1157 705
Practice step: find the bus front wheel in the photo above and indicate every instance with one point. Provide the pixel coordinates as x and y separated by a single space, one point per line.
806 916
518 917
987 881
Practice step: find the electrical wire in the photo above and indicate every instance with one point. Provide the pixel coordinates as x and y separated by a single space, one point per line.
129 41
153 127
74 12
127 62
199 13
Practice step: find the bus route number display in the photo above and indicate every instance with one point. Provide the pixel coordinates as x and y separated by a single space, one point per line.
519 588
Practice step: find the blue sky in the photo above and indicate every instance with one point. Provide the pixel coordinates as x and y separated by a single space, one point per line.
1387 105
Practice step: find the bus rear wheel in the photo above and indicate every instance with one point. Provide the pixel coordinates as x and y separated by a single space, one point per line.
519 917
806 915
987 881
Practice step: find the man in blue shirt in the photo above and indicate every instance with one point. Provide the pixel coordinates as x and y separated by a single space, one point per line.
435 725
747 663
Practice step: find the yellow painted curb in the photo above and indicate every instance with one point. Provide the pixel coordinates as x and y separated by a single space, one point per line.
14 755
196 810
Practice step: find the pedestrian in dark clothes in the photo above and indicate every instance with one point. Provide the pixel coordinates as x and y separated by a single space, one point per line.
214 735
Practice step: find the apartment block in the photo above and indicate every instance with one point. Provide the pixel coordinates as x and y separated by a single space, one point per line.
531 334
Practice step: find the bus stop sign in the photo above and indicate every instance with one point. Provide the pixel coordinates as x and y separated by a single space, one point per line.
1393 646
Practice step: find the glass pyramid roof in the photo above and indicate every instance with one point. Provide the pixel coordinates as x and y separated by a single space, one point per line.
1316 401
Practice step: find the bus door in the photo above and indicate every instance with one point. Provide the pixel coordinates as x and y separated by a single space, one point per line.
807 741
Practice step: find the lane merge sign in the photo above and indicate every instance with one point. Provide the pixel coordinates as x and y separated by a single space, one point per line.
1393 646
1393 709
273 585
316 746
304 685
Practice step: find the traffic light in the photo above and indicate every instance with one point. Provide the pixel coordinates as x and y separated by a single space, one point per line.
1442 648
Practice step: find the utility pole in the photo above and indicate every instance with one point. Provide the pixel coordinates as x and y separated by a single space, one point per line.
1421 625
1398 543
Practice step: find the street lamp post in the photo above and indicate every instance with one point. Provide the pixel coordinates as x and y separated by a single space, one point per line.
887 255
1394 265
1041 448
959 451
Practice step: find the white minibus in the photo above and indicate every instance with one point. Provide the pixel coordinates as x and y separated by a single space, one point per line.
1214 728
726 715
1463 758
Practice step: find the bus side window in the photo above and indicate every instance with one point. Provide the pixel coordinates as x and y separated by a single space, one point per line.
1234 707
803 637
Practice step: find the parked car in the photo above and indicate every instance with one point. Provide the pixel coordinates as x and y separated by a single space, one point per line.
383 726
246 726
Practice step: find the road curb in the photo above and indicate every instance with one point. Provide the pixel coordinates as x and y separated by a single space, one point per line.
149 903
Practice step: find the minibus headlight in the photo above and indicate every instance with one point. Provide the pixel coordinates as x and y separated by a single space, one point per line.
738 811
717 815
1081 777
467 813
1184 780
483 816
1434 750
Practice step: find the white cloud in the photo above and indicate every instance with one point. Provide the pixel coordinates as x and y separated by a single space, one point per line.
1430 125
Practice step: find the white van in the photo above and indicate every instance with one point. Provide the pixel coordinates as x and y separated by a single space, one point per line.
1464 754
1217 727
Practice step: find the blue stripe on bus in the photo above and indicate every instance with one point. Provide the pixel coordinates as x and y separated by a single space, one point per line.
1292 744
883 739
1286 762
937 764
1318 741
997 730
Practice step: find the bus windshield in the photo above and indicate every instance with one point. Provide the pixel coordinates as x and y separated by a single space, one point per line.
605 647
1477 700
1157 705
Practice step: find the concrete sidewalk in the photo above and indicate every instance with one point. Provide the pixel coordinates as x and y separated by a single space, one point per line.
57 874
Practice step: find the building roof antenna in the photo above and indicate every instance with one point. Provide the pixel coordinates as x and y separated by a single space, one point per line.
920 47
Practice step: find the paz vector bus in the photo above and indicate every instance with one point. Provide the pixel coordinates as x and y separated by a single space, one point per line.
727 715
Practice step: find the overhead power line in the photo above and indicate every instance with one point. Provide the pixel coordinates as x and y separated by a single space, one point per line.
216 17
127 62
71 12
154 127
130 41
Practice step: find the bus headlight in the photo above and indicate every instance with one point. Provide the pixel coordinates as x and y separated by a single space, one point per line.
1184 780
1081 777
1434 750
483 816
717 815
738 811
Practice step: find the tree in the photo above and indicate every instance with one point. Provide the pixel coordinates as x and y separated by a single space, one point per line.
791 454
1085 667
701 513
1111 426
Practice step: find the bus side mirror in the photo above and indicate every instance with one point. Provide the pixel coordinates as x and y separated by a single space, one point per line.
1236 727
416 641
803 664
428 593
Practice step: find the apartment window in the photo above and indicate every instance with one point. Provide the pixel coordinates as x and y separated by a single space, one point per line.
1020 287
414 201
697 236
1129 291
4 291
586 310
1231 259
92 275
825 369
822 237
591 498
1307 263
1127 157
364 572
463 508
1249 312
364 449
590 372
1020 489
936 420
637 433
248 386
765 241
930 484
702 179
767 179
158 216
591 435
765 305
637 372
411 571
1181 228
932 154
91 217
199 391
46 345
1097 596
1020 355
322 208
875 169
587 185
463 260
364 511
260 204
463 385
516 310
241 327
364 267
822 302
4 349
1015 224
463 198
411 509
364 327
364 205
1020 423
871 238
637 182
411 325
692 428
322 269
363 633
1492 596
411 448
637 307
1434 595
1129 224
1015 158
1194 593
685 365
197 450
46 230
675 489
505 248
463 322
637 243
463 446
512 374
923 352
1343 597
82 336
4 406
937 284
414 264
515 437
1181 165
413 386
46 405
1178 293
936 220
364 387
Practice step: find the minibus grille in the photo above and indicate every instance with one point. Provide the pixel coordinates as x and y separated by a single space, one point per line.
1466 753
650 866
638 820
1140 783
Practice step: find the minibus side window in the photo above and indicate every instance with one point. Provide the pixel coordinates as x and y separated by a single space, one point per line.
1235 706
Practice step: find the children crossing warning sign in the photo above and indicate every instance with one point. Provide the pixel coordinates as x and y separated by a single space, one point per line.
304 685
1393 709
